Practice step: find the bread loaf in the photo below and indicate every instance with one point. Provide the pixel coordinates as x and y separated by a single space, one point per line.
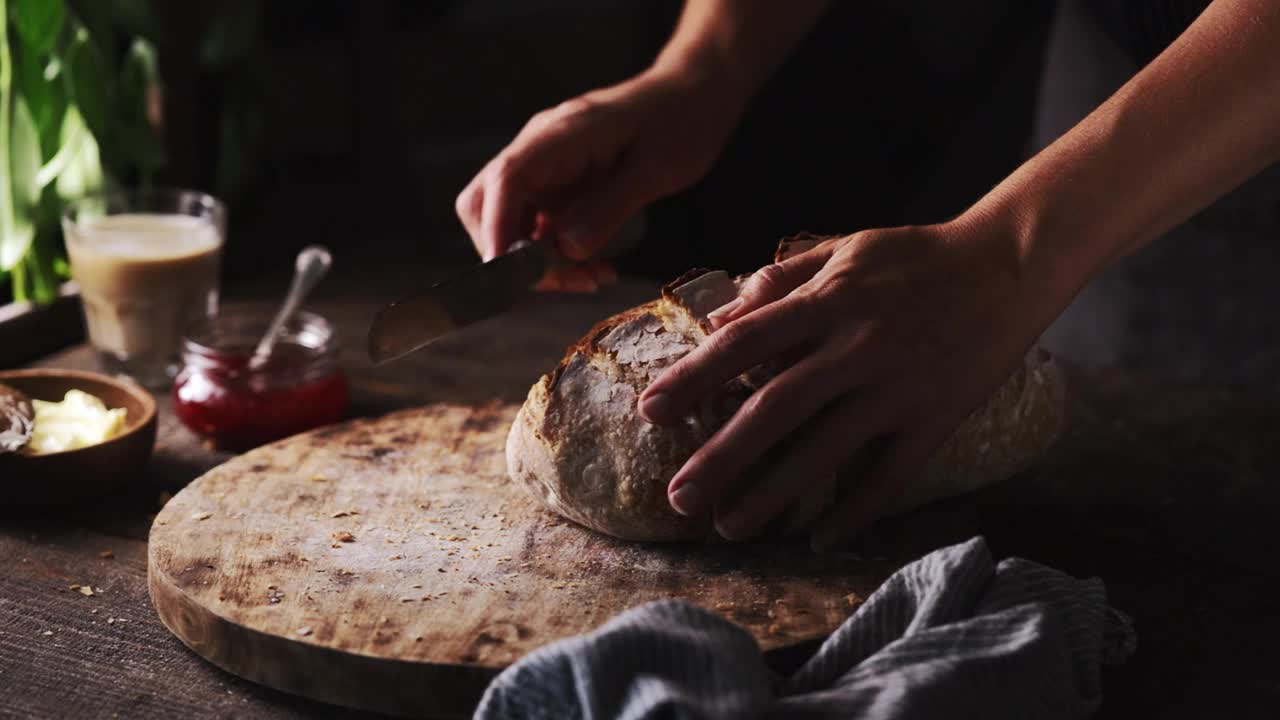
579 444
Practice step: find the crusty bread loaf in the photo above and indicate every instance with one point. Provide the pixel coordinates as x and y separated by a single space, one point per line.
580 444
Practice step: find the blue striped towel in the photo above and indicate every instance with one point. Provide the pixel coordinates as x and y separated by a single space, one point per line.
951 635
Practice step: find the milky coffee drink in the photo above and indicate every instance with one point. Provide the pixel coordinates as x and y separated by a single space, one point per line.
144 278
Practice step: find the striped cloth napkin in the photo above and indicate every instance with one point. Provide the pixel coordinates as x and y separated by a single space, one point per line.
952 635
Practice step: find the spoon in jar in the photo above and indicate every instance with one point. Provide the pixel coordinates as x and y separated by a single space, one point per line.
312 264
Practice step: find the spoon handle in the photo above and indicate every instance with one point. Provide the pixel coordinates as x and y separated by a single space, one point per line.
313 263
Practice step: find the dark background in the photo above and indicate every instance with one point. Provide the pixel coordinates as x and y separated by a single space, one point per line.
356 123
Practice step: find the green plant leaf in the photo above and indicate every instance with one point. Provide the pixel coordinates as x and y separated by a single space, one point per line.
24 163
139 78
39 22
83 68
98 17
41 262
15 239
141 65
16 230
136 133
48 213
45 97
19 274
82 172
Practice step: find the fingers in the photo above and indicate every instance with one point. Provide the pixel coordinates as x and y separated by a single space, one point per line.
493 209
510 204
811 459
904 460
555 151
585 227
764 419
727 353
469 205
773 282
550 162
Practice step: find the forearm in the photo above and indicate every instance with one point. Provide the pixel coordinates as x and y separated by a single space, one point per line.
741 41
1194 124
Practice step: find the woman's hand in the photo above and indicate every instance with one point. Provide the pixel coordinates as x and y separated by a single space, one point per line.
896 334
581 169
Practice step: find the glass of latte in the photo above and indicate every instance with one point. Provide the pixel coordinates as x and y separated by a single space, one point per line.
146 263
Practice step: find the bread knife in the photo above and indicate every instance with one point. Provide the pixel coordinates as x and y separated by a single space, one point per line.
482 291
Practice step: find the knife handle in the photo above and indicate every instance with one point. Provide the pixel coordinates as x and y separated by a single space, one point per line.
530 260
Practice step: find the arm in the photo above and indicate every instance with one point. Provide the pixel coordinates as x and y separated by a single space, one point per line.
582 168
1198 121
743 41
900 333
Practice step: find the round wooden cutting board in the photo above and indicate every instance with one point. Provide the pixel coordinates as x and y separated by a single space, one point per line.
390 565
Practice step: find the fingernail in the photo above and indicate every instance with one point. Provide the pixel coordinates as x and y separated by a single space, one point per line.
685 499
656 407
722 313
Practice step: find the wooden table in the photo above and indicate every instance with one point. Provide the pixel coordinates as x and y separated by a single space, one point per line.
1166 493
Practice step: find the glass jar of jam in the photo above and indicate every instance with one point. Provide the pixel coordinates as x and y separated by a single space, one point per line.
219 396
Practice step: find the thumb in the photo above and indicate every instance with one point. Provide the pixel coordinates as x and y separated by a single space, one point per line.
773 282
590 221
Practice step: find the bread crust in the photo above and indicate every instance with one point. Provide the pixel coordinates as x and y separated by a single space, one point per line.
580 445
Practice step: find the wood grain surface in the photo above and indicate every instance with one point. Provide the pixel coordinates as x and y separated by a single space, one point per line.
391 565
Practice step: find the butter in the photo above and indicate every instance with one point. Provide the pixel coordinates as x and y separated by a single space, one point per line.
78 421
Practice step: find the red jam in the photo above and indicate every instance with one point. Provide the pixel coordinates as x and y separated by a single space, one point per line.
217 395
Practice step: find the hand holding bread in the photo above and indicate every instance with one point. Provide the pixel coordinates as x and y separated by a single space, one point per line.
819 395
891 337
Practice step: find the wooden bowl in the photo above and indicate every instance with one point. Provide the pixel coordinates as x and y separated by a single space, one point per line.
71 476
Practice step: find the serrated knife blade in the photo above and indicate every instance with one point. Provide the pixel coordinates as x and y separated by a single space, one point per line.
481 292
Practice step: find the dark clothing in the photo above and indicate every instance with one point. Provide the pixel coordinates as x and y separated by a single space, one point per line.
888 114
895 114
1144 28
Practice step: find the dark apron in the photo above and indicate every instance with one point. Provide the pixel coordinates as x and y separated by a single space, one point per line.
891 112
906 113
